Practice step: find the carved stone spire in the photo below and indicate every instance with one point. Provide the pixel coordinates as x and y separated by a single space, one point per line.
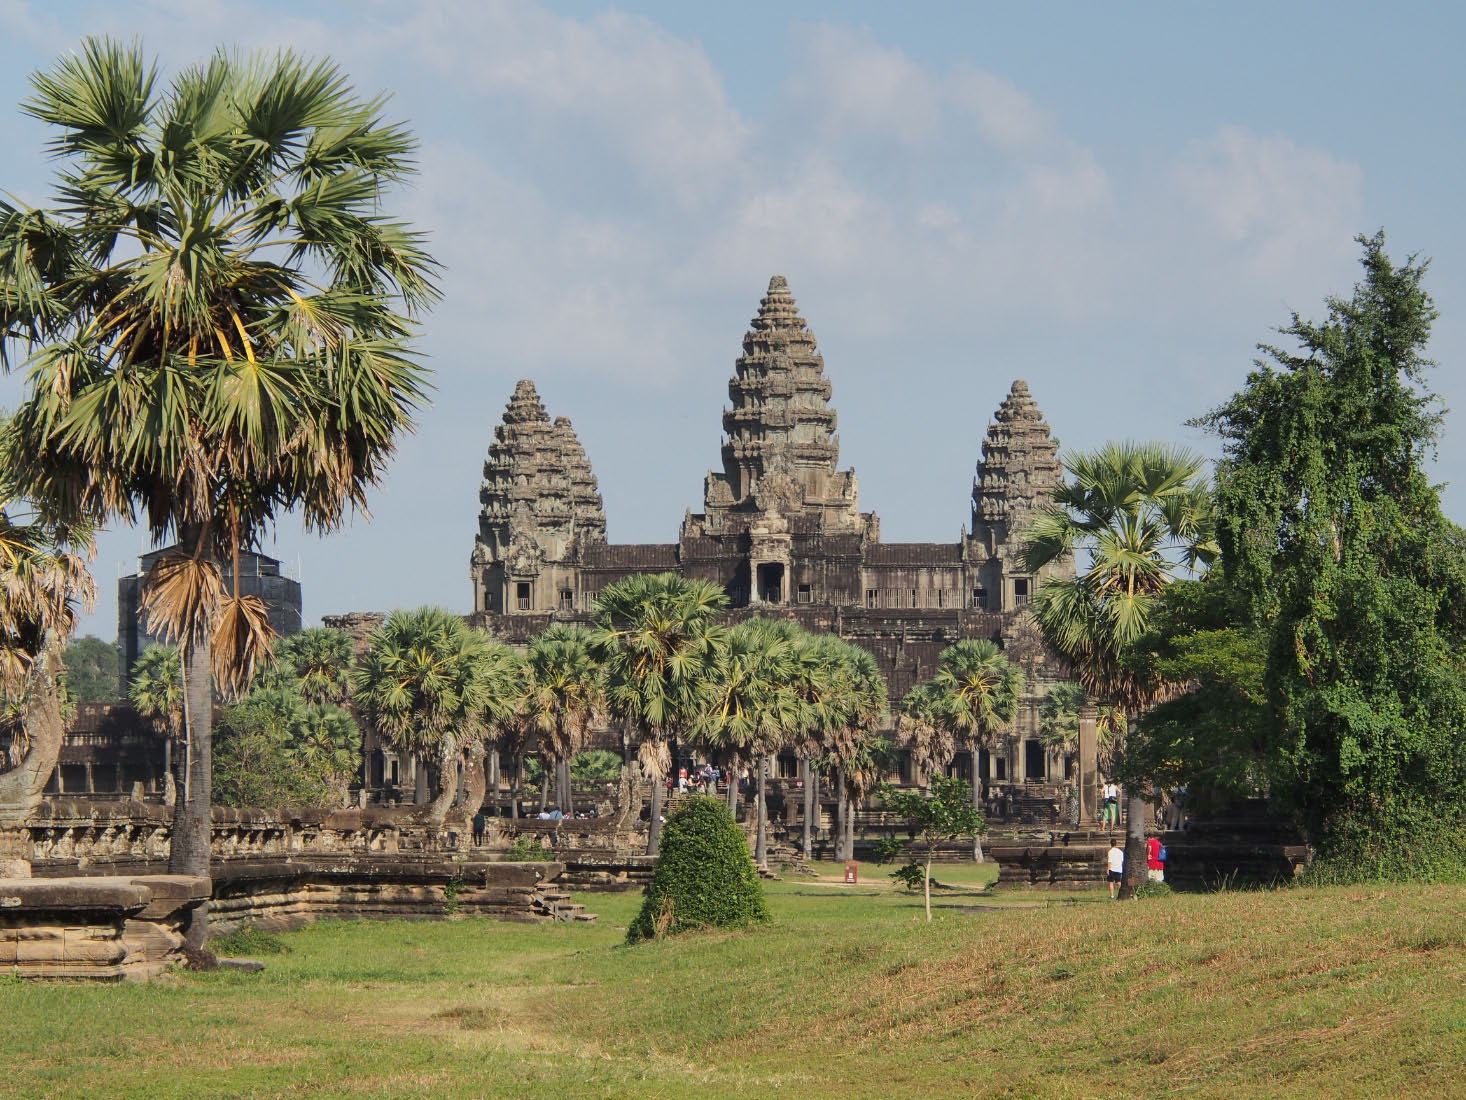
538 491
780 420
586 509
1018 469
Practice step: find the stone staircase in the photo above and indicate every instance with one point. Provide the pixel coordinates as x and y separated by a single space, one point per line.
556 905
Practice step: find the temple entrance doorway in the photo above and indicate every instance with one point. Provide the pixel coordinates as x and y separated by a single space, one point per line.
771 582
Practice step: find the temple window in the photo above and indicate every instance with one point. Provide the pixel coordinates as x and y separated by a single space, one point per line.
521 595
805 594
567 599
870 597
980 598
1020 591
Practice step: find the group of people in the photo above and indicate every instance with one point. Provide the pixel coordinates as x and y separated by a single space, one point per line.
1155 864
704 779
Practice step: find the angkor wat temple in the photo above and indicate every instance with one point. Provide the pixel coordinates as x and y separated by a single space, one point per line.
781 528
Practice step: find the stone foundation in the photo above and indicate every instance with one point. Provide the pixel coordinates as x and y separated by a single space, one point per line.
102 929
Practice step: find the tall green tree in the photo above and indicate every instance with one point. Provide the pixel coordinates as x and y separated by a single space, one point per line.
93 670
425 685
216 313
655 637
1136 516
565 698
974 694
1333 530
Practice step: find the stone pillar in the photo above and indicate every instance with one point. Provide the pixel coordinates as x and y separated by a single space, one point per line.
1088 777
91 783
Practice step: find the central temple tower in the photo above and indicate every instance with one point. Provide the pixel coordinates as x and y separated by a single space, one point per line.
780 450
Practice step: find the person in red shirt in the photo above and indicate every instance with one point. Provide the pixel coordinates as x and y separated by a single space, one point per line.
1155 869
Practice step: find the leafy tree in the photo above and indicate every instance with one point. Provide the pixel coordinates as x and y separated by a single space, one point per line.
565 698
596 766
655 638
156 693
1211 737
943 812
1141 514
1334 533
425 684
93 670
217 314
704 877
254 766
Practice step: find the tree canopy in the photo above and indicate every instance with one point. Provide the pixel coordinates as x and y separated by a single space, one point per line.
1333 534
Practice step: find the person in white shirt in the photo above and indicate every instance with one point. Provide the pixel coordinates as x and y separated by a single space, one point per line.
1115 860
1112 805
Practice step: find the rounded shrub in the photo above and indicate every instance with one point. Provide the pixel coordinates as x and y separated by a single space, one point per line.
704 877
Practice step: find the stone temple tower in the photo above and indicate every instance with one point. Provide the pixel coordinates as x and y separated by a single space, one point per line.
1018 470
780 450
540 505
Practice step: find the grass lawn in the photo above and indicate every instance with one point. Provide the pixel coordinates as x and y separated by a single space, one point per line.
1334 992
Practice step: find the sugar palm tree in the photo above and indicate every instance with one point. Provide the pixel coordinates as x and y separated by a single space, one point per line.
565 698
655 638
319 660
852 749
975 694
919 723
156 693
43 581
216 314
326 741
751 707
424 687
1141 514
827 698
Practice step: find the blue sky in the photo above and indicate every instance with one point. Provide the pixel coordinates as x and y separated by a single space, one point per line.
1115 202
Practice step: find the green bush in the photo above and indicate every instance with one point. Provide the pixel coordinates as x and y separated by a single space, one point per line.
247 940
704 877
525 849
1430 850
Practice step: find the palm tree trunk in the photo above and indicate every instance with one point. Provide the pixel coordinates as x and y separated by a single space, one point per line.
419 780
732 792
476 782
809 805
1134 845
761 843
21 788
437 811
193 822
654 820
567 794
842 825
516 787
976 805
544 784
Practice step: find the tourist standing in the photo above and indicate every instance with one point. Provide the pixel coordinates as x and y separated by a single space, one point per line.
1115 864
480 823
1155 866
1112 805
